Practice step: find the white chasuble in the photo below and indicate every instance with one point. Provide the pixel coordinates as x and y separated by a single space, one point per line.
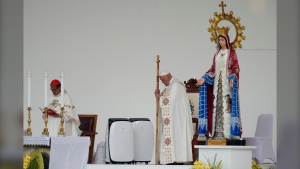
71 119
175 124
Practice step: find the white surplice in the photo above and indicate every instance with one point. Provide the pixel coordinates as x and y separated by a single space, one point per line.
175 124
71 119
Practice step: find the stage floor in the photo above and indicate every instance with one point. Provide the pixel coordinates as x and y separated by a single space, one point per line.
117 166
151 166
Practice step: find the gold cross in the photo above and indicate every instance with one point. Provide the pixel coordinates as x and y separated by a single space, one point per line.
222 5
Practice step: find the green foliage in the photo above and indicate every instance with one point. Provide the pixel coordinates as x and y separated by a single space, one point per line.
34 164
214 164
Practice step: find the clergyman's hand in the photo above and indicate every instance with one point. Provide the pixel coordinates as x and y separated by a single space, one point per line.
157 94
200 82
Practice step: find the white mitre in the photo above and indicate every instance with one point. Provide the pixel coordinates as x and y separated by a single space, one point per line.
164 72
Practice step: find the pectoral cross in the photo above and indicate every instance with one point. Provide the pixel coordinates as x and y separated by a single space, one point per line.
222 5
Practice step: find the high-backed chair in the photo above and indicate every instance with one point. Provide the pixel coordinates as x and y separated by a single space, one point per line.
194 141
88 127
263 139
193 94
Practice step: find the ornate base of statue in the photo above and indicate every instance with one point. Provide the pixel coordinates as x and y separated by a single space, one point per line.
213 142
229 142
236 142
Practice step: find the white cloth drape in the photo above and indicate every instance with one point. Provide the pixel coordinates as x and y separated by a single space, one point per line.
36 140
69 152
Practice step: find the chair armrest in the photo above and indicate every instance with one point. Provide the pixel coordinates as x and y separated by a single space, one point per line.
84 133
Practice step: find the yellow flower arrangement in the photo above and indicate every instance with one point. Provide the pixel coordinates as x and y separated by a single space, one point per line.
26 160
256 165
218 164
209 165
33 160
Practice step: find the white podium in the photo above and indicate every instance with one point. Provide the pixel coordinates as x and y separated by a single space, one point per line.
233 157
69 152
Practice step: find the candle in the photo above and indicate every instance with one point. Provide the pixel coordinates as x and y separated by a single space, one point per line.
29 75
62 88
46 87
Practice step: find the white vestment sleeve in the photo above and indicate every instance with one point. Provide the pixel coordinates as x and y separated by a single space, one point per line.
71 118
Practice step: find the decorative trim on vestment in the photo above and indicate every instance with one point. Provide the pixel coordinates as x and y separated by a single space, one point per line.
167 140
203 112
235 122
219 121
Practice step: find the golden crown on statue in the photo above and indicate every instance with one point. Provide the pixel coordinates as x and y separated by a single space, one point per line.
223 30
215 30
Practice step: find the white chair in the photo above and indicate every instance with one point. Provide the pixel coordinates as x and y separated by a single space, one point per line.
263 139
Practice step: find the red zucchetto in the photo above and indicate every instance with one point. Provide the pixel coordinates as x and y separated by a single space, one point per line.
55 82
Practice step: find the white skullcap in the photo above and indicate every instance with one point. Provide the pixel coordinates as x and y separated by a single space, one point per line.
164 72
